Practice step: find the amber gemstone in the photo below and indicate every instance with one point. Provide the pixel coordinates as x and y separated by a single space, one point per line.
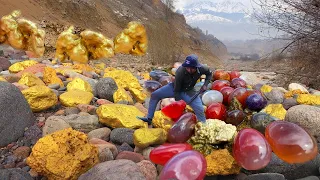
290 142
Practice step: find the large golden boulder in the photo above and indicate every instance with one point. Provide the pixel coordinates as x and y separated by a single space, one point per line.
75 97
40 97
162 121
126 80
145 137
65 154
79 84
29 79
97 44
221 162
20 66
50 77
70 46
120 115
22 34
132 40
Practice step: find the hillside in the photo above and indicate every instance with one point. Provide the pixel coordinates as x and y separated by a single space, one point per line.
170 38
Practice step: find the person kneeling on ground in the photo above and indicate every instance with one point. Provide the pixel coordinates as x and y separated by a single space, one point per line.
186 78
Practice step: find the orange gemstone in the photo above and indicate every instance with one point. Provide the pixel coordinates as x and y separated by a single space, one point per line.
290 142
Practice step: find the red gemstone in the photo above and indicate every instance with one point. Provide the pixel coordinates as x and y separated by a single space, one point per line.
290 142
240 94
221 75
234 74
226 91
216 111
219 84
175 109
183 129
162 154
238 82
251 150
186 165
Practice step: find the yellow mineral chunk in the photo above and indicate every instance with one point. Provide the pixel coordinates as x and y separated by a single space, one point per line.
3 79
221 162
126 80
266 89
75 97
162 121
213 131
70 46
146 76
132 40
308 99
40 97
122 95
29 79
97 44
9 25
50 77
62 155
79 84
145 137
33 37
290 94
19 66
275 110
83 67
120 115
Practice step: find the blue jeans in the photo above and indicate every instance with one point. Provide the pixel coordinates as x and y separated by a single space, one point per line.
167 92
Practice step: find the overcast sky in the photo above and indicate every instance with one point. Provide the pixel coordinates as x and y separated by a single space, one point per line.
182 3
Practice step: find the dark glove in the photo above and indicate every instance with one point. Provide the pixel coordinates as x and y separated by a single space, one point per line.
203 88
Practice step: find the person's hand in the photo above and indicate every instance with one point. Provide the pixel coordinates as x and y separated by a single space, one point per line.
203 88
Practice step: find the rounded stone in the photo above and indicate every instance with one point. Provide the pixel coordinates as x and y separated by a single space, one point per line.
122 135
105 88
15 113
306 116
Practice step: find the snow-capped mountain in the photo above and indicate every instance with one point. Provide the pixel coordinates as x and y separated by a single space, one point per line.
229 19
222 12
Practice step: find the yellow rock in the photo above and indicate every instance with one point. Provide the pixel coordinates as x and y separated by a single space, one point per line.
120 115
29 79
145 137
19 66
73 98
121 95
100 66
97 44
33 37
70 46
79 84
62 155
40 97
132 40
50 77
266 89
276 110
83 67
3 79
290 94
146 76
10 30
162 121
221 162
126 80
308 99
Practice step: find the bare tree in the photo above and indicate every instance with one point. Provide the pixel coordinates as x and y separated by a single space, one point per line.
298 19
169 8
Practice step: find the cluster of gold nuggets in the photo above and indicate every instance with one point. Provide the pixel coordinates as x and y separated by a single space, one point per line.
24 34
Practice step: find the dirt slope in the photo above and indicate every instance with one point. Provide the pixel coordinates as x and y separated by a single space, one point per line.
170 38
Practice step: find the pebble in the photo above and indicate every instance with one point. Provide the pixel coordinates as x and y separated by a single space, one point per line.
54 86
